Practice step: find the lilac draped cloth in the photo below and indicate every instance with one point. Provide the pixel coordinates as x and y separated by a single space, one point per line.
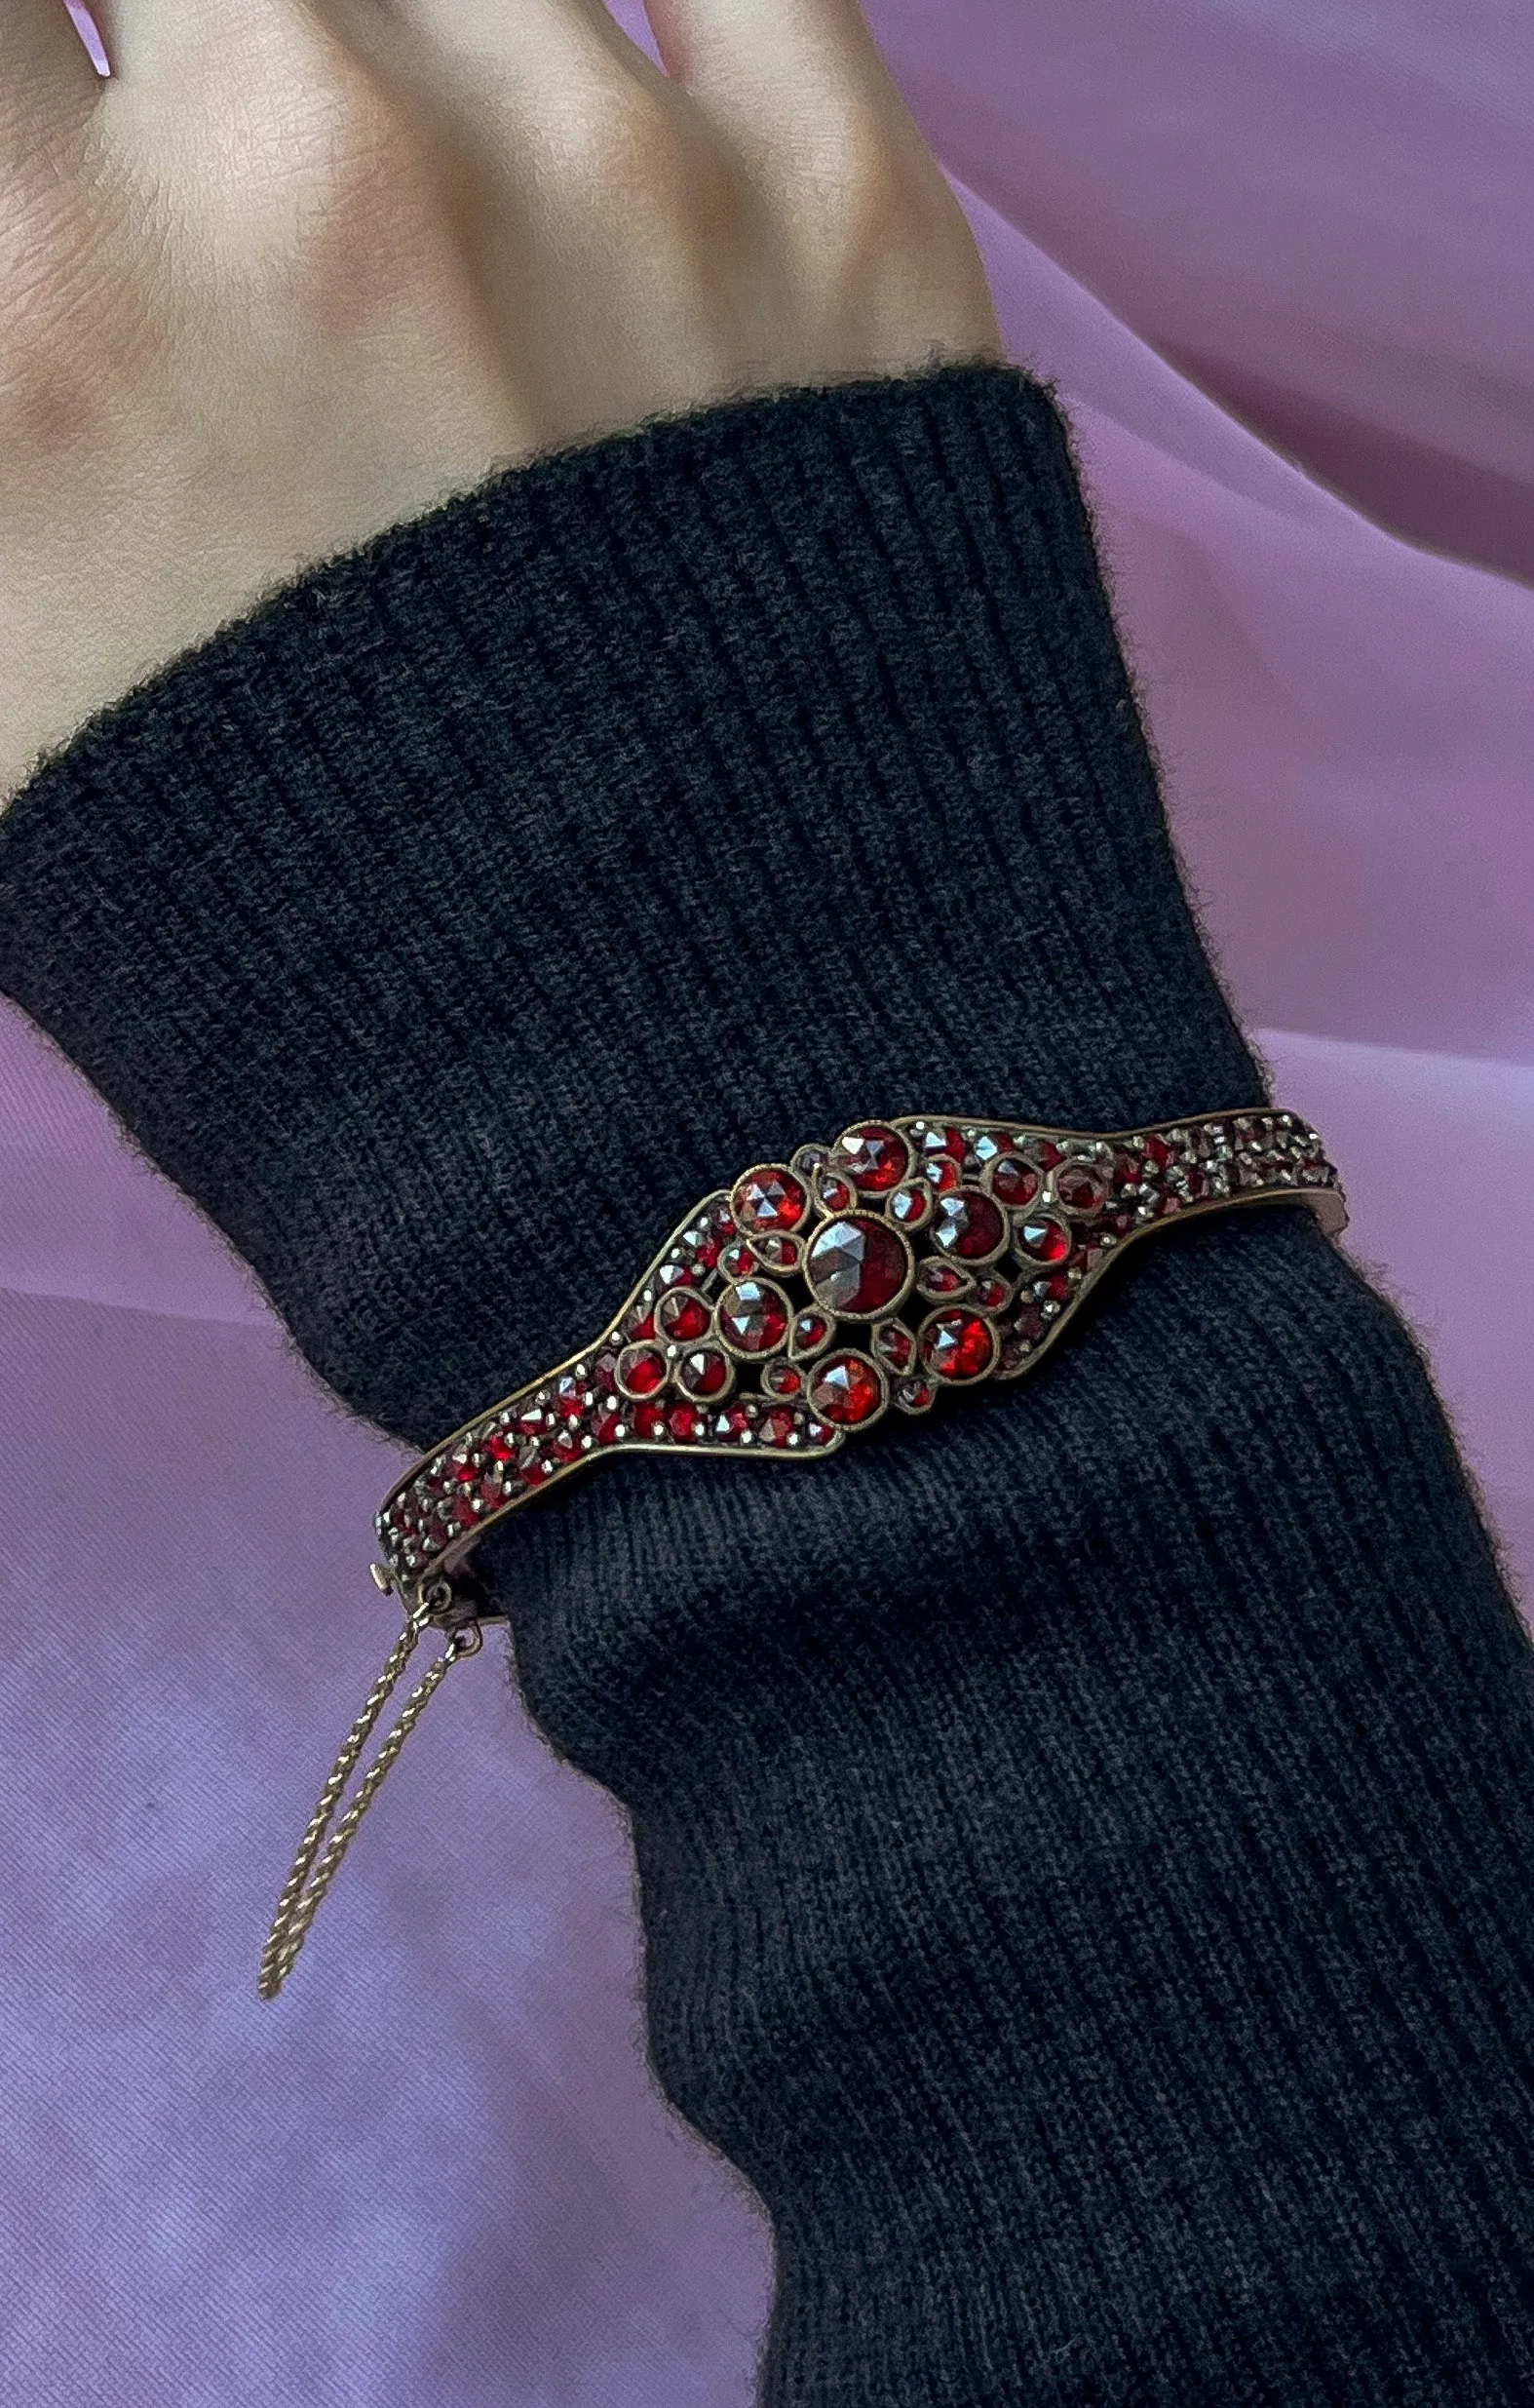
435 2171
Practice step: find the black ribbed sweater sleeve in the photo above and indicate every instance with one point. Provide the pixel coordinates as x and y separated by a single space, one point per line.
1086 1841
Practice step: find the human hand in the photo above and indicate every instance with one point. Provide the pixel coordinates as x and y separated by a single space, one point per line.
299 271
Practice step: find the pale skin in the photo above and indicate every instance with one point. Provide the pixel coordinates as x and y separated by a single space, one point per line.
304 268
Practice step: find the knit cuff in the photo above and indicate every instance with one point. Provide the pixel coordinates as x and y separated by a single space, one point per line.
451 925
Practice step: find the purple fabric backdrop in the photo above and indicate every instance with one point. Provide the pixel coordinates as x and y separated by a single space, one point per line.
435 2170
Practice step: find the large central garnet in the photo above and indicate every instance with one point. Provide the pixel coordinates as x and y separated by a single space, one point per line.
858 1266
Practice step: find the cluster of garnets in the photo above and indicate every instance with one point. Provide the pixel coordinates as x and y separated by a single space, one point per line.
908 1257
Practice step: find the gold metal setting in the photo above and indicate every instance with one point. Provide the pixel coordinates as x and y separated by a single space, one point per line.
952 1251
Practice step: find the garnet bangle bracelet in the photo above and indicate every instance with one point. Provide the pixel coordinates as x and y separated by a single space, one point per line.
784 1315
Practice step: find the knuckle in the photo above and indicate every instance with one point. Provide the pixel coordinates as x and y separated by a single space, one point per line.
887 245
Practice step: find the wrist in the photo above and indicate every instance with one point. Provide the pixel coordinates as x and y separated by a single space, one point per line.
500 888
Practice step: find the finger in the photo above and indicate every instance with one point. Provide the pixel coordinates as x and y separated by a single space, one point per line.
721 47
485 49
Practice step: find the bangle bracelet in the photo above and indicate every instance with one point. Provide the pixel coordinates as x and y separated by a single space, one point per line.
785 1315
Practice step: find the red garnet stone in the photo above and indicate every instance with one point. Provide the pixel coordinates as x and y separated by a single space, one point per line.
681 1314
937 1141
910 1205
836 1194
1014 1181
705 1371
783 1379
857 1267
773 1197
1044 1240
1080 1188
893 1344
959 1345
753 1316
874 1157
846 1390
641 1370
967 1225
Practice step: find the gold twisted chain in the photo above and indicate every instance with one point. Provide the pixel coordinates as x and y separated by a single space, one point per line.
302 1894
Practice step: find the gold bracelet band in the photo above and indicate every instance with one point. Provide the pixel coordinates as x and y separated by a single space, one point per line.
784 1315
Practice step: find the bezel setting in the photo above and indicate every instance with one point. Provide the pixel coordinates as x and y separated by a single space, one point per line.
1069 1203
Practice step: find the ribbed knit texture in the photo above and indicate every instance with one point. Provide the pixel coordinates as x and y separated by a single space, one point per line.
1087 1842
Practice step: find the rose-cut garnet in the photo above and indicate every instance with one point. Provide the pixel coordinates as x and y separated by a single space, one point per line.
1044 1240
969 1226
934 1278
874 1157
776 1252
1080 1188
775 1429
783 1379
811 1331
836 1194
857 1267
753 1316
1014 1181
771 1198
649 1422
911 1207
641 1370
683 1316
894 1346
687 1424
705 1371
946 1141
959 1345
846 1390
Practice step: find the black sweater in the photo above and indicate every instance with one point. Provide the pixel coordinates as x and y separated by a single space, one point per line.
1086 1840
